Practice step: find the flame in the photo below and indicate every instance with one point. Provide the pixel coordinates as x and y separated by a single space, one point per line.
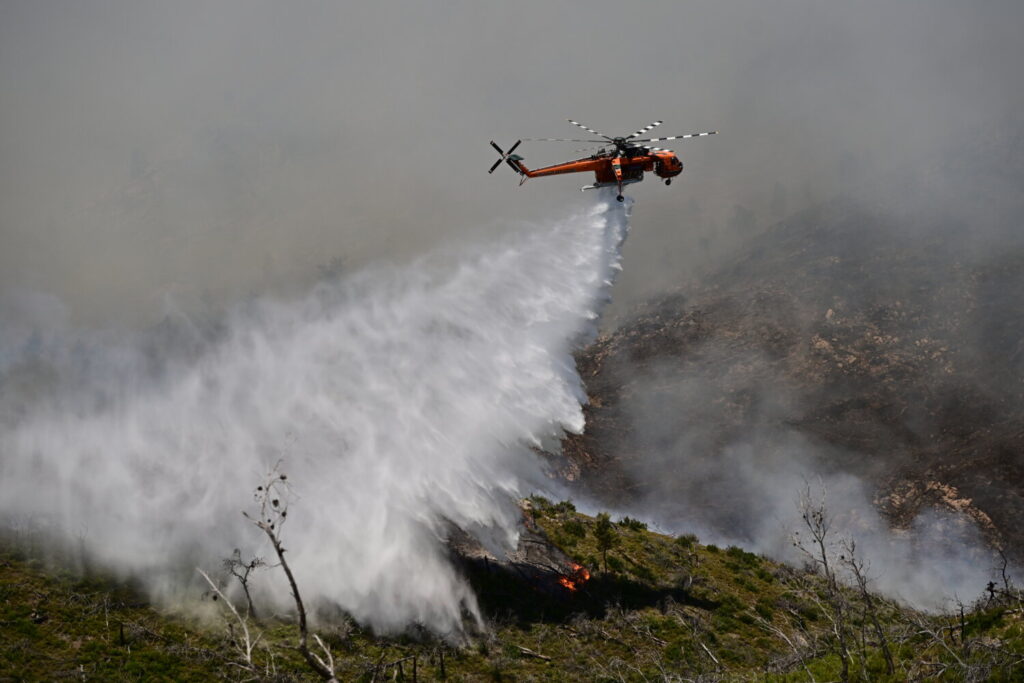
577 578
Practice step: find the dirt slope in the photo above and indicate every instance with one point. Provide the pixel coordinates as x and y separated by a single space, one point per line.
897 352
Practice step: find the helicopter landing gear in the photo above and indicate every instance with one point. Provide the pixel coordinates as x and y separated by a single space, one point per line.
620 198
668 181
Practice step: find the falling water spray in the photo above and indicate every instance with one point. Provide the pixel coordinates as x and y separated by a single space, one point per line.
397 399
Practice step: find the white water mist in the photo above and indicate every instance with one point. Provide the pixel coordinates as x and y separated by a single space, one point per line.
397 399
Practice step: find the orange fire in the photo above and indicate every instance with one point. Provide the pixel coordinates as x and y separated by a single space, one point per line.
577 578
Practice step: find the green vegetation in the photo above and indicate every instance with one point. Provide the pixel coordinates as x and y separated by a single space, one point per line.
604 537
664 609
634 524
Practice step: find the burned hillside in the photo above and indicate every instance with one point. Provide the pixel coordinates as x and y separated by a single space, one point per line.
867 349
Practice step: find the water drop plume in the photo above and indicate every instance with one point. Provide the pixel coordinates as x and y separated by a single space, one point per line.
398 399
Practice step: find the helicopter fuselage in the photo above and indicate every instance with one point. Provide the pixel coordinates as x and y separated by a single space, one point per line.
621 161
611 167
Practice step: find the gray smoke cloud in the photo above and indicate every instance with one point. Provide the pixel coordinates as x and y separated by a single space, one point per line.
170 162
397 400
209 150
692 466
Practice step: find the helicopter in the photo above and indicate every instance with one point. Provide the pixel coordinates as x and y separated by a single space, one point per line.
620 160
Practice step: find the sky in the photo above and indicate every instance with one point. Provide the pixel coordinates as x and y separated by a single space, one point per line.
198 153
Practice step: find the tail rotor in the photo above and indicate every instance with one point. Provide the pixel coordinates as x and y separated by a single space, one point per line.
507 157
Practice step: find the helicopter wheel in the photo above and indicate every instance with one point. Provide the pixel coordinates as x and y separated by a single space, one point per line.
620 198
668 181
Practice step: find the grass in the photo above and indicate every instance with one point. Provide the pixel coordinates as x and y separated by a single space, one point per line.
667 609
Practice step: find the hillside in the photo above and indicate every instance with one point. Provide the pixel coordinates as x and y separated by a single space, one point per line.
665 609
885 351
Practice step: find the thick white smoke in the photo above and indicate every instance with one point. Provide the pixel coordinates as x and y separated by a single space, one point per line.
396 398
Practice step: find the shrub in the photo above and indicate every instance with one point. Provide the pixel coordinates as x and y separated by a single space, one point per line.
634 524
565 541
686 540
565 507
540 501
742 556
729 605
644 572
675 651
744 582
574 528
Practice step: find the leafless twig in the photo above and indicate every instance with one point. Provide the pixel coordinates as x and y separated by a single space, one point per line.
248 642
273 497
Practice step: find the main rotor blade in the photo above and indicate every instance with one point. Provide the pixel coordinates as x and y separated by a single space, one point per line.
496 164
678 137
589 130
497 148
562 140
513 147
645 129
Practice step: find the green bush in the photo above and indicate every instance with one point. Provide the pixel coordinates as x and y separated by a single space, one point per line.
764 608
540 502
634 524
730 605
742 556
686 540
565 507
574 528
675 651
746 583
565 541
644 572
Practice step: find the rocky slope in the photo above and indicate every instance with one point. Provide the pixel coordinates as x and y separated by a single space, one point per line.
892 353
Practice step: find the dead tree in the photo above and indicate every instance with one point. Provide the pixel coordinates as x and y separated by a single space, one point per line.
245 641
800 655
1012 594
858 570
818 521
272 498
241 570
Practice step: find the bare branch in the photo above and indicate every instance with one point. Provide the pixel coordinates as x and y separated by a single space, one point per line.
241 571
858 569
782 634
273 498
248 642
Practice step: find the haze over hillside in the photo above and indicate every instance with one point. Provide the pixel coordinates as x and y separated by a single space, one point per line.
159 156
876 349
251 233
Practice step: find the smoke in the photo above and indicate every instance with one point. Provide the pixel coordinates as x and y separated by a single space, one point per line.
397 399
206 151
742 485
207 148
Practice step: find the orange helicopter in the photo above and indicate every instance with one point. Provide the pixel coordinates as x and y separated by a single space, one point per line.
622 164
